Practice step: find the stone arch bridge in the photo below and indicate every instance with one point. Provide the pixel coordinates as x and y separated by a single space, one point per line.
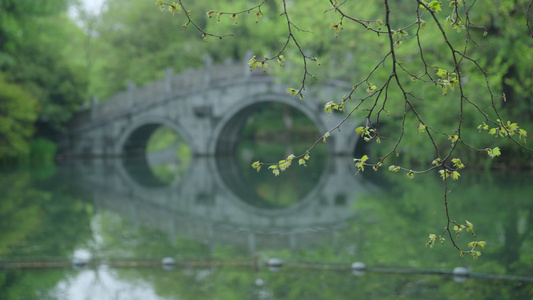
208 107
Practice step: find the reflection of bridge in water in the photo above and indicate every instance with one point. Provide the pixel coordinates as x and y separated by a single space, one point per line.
204 208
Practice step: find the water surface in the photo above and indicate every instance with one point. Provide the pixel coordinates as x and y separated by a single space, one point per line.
99 229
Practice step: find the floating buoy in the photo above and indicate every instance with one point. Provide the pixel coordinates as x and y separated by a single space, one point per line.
358 268
81 258
274 264
168 263
259 282
460 274
79 263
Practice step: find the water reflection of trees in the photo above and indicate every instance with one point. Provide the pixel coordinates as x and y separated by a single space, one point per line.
401 218
40 218
262 189
45 218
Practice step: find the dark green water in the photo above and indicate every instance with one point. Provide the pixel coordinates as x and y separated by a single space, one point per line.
222 222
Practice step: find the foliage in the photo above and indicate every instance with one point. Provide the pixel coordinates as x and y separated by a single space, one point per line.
39 53
138 46
29 217
37 220
424 79
170 166
372 236
388 231
42 150
18 111
265 191
135 46
18 221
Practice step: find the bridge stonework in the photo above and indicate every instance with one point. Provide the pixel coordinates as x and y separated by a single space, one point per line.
207 107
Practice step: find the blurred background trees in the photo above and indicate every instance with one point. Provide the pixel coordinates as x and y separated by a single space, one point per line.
43 77
59 54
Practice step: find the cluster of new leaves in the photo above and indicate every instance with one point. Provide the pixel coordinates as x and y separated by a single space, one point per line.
447 80
505 130
254 63
458 228
282 165
377 95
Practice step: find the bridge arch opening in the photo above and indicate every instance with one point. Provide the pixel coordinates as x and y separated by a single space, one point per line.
155 155
269 131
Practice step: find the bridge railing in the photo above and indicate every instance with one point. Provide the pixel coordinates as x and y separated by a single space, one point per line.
172 84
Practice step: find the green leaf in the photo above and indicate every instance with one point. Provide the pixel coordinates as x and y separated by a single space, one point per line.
483 126
435 6
371 88
292 92
160 5
360 163
423 24
274 169
456 3
281 60
454 175
457 163
493 152
326 135
522 134
394 168
432 238
453 138
336 28
421 128
442 73
259 15
436 162
257 165
253 63
284 164
469 225
482 244
330 106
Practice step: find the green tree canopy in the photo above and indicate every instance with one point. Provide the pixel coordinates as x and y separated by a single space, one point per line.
40 55
18 112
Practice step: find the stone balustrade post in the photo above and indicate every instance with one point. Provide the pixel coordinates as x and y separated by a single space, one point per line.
169 73
94 107
131 93
247 55
208 63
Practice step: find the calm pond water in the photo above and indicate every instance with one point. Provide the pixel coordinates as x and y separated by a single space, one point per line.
100 229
